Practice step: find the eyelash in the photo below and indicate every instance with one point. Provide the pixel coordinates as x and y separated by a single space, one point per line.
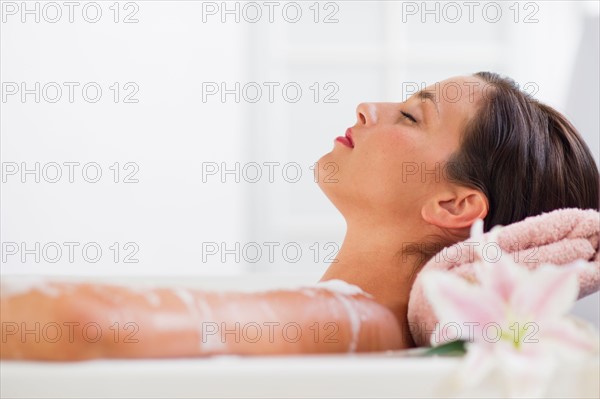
408 116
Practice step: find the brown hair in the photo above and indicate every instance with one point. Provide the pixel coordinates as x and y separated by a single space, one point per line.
525 156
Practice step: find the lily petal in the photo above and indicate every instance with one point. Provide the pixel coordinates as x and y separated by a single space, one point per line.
502 278
525 373
549 292
454 300
570 337
477 364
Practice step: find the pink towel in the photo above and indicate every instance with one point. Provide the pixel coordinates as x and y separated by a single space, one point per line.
558 237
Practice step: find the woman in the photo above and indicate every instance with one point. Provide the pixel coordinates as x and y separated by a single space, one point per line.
412 178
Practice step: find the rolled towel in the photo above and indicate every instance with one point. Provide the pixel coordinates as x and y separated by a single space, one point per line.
558 237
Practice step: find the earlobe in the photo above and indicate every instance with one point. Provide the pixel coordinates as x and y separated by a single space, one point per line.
456 211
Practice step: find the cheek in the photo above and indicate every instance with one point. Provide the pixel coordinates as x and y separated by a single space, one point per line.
387 156
398 165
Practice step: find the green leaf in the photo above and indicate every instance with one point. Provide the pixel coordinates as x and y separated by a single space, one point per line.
454 348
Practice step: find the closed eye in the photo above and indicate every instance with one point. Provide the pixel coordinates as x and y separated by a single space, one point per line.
408 116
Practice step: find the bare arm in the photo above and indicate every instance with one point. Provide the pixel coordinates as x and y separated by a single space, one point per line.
74 321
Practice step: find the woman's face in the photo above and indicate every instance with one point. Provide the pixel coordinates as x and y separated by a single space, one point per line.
395 161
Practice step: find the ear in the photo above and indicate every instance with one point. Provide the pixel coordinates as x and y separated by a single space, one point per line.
455 208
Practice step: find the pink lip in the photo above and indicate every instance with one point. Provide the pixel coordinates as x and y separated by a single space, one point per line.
347 139
349 135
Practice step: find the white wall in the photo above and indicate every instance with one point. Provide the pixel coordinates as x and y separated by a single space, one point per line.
168 133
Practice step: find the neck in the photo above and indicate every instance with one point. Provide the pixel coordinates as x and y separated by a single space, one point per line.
376 260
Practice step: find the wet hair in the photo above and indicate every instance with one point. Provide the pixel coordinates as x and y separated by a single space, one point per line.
525 156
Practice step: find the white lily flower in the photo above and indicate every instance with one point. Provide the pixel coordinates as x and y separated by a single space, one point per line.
514 320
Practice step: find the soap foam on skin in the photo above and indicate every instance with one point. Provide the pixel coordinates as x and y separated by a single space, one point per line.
23 285
342 290
342 287
208 344
355 321
147 293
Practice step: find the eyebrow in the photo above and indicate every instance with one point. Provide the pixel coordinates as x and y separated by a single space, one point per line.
428 95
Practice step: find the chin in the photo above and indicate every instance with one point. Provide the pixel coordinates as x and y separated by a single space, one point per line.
328 171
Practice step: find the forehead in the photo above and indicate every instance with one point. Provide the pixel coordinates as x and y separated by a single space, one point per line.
458 90
458 95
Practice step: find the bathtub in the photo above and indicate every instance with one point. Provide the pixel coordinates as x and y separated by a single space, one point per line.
384 374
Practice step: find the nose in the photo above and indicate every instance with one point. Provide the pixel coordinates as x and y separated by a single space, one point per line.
366 114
